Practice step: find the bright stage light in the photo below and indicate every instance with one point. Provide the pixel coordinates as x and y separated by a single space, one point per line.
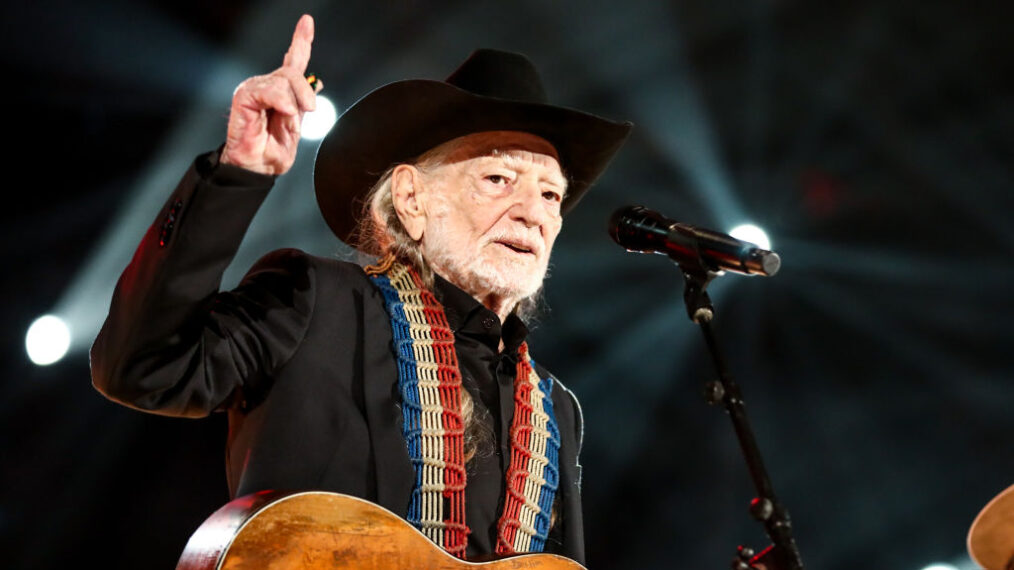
752 234
47 340
317 123
941 566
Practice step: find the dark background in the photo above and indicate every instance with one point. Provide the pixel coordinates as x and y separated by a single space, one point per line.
872 139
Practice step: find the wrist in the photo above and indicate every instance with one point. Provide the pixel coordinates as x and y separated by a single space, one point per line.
227 156
214 168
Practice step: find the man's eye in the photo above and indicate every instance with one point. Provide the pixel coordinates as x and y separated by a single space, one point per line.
554 196
497 179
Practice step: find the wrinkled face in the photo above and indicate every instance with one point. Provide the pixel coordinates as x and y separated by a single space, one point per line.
493 213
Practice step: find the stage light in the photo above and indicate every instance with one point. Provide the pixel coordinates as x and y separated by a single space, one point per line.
317 123
940 566
47 340
752 234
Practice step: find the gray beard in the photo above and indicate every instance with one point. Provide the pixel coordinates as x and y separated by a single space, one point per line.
478 280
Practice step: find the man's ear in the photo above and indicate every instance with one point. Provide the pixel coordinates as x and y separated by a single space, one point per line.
407 192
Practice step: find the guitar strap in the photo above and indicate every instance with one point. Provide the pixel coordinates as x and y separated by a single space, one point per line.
429 381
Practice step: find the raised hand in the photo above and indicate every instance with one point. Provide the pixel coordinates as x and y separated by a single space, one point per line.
267 110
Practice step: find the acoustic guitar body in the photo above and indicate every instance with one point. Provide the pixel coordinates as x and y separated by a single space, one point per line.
324 531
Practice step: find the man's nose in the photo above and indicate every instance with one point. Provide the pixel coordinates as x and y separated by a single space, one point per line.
529 206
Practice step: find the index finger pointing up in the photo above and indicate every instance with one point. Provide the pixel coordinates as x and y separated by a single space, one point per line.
298 55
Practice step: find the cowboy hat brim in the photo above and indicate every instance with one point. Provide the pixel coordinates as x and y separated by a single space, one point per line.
398 122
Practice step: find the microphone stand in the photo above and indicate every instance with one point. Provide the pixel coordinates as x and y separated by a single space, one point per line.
783 553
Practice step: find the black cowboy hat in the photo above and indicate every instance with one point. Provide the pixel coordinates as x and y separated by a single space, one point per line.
491 91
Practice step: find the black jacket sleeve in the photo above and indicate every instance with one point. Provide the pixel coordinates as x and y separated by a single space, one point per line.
172 344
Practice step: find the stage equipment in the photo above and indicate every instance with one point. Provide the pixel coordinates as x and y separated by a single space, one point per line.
701 256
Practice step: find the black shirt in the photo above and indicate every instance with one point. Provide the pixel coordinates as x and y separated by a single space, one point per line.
488 375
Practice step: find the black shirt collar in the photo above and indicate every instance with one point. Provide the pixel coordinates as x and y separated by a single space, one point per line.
469 317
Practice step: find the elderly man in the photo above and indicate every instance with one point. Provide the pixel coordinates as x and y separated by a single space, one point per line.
407 383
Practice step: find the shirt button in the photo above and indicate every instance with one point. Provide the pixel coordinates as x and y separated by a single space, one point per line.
488 322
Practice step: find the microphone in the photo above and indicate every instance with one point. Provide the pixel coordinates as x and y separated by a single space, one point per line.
642 230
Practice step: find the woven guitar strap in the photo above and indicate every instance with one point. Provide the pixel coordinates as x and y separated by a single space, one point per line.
429 381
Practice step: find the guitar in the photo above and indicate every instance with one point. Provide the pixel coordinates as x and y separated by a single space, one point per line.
317 530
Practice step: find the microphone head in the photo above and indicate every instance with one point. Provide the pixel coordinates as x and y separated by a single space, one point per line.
617 219
637 228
